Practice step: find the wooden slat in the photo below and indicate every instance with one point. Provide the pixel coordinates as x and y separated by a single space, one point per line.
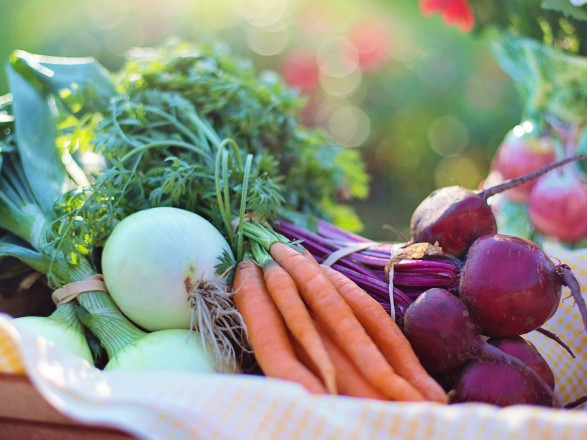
18 429
24 411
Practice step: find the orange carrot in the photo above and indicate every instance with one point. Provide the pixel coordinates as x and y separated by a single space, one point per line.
284 293
332 310
387 336
266 330
349 380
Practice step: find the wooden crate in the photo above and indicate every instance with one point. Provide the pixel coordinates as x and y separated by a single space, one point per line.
24 414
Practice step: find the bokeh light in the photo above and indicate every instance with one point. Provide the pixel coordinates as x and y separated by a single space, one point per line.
389 161
349 125
458 170
268 40
522 129
338 57
261 12
341 85
448 136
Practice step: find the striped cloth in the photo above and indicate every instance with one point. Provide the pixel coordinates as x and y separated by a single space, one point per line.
570 374
165 405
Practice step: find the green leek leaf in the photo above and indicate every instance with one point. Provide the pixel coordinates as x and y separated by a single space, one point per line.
35 137
30 257
80 83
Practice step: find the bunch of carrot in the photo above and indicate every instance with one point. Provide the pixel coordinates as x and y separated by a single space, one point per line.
310 324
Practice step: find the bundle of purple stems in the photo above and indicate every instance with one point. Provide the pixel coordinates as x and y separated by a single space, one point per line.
363 261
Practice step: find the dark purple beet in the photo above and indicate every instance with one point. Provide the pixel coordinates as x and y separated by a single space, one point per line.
455 216
524 350
509 284
498 384
445 336
441 331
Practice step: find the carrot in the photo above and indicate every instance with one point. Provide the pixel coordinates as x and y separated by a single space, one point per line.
387 336
349 380
284 293
266 330
332 310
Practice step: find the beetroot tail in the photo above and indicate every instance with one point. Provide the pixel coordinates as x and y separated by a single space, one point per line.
556 339
576 403
571 282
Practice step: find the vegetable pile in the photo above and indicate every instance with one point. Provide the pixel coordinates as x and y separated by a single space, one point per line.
507 287
186 220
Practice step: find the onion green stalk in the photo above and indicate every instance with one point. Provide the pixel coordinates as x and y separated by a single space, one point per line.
19 212
22 216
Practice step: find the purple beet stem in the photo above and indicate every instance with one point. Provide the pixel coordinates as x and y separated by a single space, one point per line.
375 257
320 253
328 230
366 267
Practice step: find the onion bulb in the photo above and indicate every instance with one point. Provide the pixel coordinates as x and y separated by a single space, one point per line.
61 328
159 266
168 350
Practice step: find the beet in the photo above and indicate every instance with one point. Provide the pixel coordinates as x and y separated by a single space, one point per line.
445 336
511 287
454 217
441 331
524 350
498 384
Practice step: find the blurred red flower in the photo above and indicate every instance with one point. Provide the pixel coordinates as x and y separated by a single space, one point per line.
372 39
300 69
454 12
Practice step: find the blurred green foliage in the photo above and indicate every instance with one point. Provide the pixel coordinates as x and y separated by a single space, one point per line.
430 112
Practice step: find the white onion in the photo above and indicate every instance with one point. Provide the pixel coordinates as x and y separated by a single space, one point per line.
168 350
159 266
62 329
